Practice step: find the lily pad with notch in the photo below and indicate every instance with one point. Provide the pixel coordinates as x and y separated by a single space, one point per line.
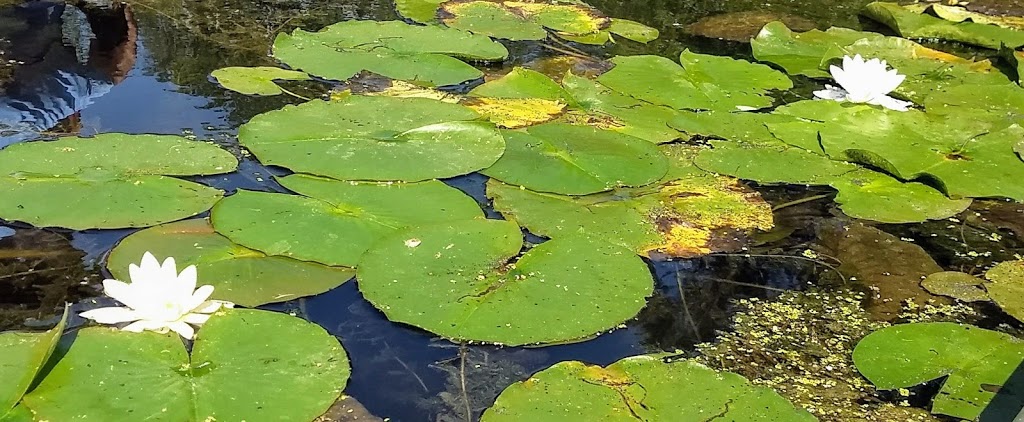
427 55
686 217
334 222
460 280
256 80
244 365
976 363
374 138
702 82
240 275
525 20
109 181
912 23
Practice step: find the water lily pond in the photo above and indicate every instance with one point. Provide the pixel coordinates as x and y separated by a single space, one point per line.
487 210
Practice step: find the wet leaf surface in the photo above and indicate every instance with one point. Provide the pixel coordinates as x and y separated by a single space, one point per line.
576 160
22 357
460 281
244 365
912 24
422 54
334 222
374 138
110 181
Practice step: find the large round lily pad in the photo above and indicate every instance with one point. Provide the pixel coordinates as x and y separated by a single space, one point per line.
911 23
977 363
238 274
245 365
374 138
110 181
576 160
455 280
22 357
640 388
422 54
687 217
704 82
334 222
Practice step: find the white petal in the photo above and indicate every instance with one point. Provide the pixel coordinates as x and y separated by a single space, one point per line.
196 319
120 291
111 315
209 307
139 326
198 298
186 282
147 272
889 82
831 93
183 329
891 103
169 271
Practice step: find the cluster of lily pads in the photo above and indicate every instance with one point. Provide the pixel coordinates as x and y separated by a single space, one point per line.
645 160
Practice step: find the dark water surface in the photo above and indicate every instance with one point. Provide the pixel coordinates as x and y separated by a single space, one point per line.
149 74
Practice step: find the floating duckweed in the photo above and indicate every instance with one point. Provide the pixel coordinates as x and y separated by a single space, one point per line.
801 345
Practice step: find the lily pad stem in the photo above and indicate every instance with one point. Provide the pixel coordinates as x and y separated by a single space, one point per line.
293 94
801 201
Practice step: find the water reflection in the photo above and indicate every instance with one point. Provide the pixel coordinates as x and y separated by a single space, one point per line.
66 57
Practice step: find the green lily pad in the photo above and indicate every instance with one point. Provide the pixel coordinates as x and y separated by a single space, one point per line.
256 80
334 222
374 138
22 357
1006 287
238 274
423 54
639 388
912 24
491 19
608 109
977 363
862 193
771 162
18 414
704 82
245 365
590 103
927 70
1000 105
687 217
632 30
454 282
576 160
962 156
802 53
110 181
422 11
522 83
875 196
956 284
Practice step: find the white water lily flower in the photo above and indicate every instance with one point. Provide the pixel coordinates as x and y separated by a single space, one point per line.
158 299
863 81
